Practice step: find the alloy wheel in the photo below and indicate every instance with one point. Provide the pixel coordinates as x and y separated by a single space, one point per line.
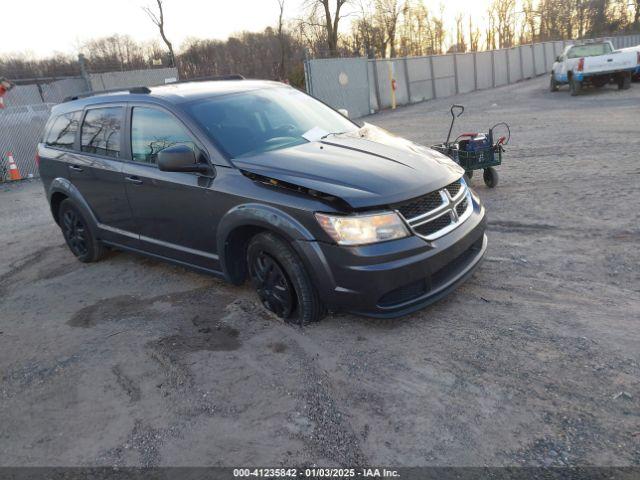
75 232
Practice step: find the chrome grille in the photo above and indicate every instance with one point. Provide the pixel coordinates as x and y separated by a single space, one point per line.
437 213
423 204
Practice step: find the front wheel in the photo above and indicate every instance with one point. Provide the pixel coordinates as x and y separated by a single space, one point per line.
553 85
75 229
490 177
281 280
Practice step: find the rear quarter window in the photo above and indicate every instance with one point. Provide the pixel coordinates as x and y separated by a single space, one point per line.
62 133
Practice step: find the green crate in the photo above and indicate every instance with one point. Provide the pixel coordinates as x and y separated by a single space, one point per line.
480 159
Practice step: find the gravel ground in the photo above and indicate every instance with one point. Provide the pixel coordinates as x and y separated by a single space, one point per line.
534 361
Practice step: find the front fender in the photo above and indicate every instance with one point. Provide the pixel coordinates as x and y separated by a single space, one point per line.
260 216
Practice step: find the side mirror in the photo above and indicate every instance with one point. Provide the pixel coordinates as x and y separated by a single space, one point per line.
344 112
558 59
180 158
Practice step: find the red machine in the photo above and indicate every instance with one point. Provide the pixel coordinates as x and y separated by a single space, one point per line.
5 86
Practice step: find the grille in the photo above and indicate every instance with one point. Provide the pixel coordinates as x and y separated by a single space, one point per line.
403 294
433 226
421 205
462 207
454 188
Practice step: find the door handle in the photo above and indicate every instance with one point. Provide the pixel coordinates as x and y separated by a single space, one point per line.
75 168
133 179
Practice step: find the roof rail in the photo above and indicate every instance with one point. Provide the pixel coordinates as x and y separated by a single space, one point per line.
113 90
232 76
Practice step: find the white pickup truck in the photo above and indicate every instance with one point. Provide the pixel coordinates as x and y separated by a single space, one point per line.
636 72
594 63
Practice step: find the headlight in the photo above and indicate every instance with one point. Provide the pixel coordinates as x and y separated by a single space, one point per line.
363 229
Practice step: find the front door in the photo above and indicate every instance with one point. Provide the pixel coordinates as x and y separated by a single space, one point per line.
173 211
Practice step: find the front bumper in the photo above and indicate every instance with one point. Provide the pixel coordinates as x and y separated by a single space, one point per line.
395 278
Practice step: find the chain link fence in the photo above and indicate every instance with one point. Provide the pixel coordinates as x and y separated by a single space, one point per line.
29 103
364 86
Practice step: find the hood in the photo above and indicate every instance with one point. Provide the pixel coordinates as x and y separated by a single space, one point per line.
366 168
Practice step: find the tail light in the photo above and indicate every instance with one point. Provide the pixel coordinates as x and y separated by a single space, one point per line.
37 159
581 64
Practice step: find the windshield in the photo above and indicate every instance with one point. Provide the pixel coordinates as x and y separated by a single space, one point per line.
589 50
258 121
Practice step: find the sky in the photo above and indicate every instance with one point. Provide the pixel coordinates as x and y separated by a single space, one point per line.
43 27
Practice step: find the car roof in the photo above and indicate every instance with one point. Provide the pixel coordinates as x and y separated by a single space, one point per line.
171 94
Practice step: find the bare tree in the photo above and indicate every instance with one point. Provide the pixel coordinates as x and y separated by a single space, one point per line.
282 71
158 20
387 14
330 19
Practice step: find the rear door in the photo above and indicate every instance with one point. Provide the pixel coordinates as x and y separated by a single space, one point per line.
96 171
174 211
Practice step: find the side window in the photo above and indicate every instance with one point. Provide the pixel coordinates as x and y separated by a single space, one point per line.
101 131
63 130
154 130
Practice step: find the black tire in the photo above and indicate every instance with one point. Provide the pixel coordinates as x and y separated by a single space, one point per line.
575 86
79 237
624 81
553 85
490 177
268 257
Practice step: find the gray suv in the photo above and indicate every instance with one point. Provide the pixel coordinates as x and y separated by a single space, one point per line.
256 180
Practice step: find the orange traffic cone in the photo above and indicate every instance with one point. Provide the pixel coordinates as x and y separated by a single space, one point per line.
14 173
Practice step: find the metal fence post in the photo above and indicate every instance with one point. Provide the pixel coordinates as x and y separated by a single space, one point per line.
455 71
376 82
406 79
533 59
506 52
433 77
493 69
475 70
83 71
521 63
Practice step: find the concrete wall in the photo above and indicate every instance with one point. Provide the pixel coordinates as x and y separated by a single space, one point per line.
444 74
484 70
423 78
465 70
515 65
133 78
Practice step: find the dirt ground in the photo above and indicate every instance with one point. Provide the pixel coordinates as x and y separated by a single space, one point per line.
534 361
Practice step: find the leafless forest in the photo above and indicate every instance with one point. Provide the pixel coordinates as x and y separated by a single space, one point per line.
328 28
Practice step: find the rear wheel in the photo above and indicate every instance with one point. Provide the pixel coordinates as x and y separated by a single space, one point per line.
75 229
490 177
624 81
575 86
553 85
281 281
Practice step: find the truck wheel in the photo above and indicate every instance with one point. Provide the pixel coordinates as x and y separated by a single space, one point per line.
281 281
490 177
75 229
553 85
624 81
575 86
